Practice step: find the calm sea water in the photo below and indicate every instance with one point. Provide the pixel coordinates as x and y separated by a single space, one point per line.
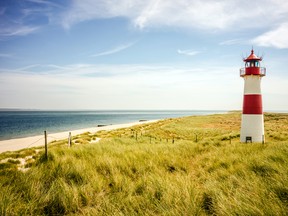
16 124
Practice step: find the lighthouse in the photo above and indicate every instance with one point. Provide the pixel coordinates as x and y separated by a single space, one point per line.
252 123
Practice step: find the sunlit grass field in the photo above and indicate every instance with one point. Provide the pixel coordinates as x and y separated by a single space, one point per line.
184 166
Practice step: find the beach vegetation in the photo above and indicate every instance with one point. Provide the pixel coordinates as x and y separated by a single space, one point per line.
184 166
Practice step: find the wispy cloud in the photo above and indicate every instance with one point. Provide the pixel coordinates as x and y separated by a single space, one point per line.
10 25
210 14
48 3
104 70
275 38
26 18
232 42
188 52
18 31
114 50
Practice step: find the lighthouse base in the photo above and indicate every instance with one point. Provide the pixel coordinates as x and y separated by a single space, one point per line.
252 127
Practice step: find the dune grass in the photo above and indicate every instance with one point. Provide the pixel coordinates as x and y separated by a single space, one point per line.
185 166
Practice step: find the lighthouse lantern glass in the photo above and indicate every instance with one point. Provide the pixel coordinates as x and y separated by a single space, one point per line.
252 64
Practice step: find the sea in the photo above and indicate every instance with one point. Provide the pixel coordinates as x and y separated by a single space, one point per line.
18 124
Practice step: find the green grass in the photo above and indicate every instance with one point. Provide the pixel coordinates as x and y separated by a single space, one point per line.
141 171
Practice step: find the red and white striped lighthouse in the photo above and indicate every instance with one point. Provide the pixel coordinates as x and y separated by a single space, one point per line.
252 124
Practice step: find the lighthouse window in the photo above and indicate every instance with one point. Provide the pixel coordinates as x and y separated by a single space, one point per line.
256 64
252 64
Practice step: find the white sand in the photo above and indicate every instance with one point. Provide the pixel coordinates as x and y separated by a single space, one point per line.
28 142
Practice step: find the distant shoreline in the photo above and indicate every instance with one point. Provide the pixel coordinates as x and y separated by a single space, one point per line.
35 141
27 123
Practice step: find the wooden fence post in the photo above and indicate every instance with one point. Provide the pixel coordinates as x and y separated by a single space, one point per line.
46 149
69 140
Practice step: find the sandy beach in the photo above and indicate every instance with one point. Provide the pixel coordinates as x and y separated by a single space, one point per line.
33 141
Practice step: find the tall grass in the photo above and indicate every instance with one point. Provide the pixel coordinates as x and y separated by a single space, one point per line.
152 175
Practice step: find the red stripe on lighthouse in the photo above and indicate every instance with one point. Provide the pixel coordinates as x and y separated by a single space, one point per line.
252 71
252 104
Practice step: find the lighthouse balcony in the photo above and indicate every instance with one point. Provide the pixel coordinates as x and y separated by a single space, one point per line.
258 71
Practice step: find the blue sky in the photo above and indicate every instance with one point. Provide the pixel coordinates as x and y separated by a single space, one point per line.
134 54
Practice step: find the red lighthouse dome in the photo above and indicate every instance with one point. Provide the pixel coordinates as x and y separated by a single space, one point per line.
252 66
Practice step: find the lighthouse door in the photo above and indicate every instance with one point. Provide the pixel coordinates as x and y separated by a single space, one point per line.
248 138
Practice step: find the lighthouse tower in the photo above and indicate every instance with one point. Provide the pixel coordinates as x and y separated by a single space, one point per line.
252 124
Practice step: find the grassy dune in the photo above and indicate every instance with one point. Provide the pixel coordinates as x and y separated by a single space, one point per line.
186 166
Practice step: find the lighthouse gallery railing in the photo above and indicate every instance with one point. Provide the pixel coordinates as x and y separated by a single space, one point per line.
262 71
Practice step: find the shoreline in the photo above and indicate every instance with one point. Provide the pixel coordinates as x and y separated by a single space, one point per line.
38 140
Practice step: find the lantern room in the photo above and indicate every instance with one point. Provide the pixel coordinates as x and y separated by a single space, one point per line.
252 66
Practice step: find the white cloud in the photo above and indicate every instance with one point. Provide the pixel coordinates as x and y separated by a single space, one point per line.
188 52
208 14
274 38
114 50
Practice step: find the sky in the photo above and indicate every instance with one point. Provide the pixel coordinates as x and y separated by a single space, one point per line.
135 54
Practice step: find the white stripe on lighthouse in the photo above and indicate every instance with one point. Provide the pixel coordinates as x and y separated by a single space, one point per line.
252 85
253 126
